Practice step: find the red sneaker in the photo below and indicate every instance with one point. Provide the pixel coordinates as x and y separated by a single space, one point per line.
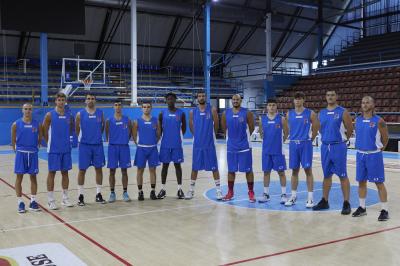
251 196
228 196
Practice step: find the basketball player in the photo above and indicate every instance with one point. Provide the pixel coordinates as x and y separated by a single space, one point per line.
89 125
371 139
273 129
118 134
147 129
303 128
25 138
203 123
336 129
57 126
235 120
172 122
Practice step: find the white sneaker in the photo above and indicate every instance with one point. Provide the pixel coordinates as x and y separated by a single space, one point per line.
310 204
189 195
291 201
283 199
218 194
264 198
52 205
65 202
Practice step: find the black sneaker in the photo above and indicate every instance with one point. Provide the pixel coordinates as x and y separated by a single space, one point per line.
153 195
322 205
99 198
162 194
359 212
81 201
180 194
384 216
140 196
346 209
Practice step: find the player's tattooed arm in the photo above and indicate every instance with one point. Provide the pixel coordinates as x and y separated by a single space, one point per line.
13 135
191 122
134 131
260 128
384 133
348 124
215 119
223 123
46 126
285 128
250 121
183 123
315 125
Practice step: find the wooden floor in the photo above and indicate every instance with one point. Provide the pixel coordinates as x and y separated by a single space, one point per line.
201 231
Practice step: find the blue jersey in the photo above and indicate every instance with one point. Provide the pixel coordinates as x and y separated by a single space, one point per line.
300 125
203 128
118 130
147 131
332 128
27 135
272 135
91 127
59 133
236 124
368 137
171 129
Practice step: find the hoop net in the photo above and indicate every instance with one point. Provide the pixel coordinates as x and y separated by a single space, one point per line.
87 83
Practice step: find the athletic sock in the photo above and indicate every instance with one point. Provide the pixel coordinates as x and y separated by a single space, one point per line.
125 189
81 190
283 190
153 186
98 188
33 198
65 194
362 202
384 206
192 184
19 199
310 196
163 186
217 184
266 190
140 187
50 195
294 193
179 187
112 190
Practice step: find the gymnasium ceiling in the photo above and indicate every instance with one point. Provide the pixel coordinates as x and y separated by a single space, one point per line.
237 26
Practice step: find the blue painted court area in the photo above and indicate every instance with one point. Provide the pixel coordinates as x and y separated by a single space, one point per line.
335 197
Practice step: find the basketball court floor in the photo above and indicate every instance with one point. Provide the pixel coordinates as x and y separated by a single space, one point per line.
201 231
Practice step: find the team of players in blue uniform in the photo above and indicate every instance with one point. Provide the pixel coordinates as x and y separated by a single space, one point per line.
300 127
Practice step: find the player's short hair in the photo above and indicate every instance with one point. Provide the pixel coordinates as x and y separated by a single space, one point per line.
271 100
330 90
200 92
299 95
146 102
90 94
61 95
170 94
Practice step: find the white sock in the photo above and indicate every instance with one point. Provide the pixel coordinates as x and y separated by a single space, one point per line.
98 188
163 186
33 198
362 203
19 199
192 184
310 196
81 190
283 190
65 194
266 190
217 183
384 206
179 187
50 195
294 193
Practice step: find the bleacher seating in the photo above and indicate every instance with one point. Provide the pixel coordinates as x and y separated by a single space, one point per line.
383 84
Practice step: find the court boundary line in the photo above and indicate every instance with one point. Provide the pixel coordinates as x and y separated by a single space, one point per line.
311 246
76 230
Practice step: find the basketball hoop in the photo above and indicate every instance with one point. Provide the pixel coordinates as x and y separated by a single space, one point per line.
87 83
